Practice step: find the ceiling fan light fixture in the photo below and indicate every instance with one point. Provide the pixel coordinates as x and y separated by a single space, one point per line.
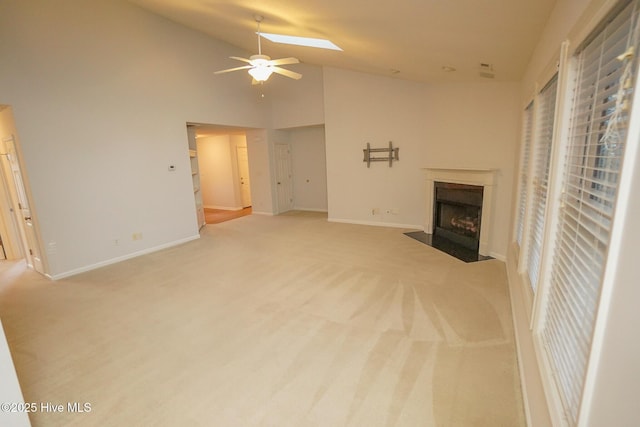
260 66
260 73
300 41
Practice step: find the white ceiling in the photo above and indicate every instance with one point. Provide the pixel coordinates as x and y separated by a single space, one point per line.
415 37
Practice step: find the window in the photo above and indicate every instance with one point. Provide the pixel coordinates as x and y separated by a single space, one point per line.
599 120
540 170
524 170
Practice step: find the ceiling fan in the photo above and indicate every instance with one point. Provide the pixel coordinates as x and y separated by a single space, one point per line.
261 66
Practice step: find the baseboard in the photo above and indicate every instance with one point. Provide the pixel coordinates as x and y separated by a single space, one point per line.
122 258
499 257
298 208
377 224
224 208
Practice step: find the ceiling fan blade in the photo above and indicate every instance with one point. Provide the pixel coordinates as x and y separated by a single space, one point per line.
244 67
237 58
287 73
284 61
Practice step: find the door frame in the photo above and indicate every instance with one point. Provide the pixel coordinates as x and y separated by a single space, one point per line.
10 145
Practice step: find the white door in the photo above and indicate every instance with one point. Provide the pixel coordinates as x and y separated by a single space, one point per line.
30 237
284 181
243 171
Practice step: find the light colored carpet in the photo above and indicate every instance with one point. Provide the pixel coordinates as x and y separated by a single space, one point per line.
271 321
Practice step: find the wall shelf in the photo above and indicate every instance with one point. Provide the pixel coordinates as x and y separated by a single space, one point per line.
195 175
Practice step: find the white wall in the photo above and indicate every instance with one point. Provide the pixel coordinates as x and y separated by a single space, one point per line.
101 92
309 168
564 17
361 108
216 163
447 125
617 379
296 103
9 387
260 172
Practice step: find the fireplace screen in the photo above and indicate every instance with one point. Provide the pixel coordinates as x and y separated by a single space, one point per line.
458 213
459 219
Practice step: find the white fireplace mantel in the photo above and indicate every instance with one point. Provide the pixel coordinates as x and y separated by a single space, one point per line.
481 177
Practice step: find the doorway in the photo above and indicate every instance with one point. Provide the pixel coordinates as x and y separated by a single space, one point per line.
18 229
222 172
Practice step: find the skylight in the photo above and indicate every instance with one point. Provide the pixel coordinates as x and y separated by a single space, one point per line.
300 41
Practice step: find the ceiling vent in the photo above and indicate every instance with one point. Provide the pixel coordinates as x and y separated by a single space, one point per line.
486 70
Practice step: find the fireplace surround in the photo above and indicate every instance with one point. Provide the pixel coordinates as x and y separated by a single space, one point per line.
483 178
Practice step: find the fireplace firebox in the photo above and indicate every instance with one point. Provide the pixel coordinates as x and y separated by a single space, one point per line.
458 213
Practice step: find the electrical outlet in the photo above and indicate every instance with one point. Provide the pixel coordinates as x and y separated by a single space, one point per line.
136 236
375 211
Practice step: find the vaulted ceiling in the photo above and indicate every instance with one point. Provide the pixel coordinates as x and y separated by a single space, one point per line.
407 39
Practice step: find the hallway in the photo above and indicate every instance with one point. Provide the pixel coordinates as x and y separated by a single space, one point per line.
216 216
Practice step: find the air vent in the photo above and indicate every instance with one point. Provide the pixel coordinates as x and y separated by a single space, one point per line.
486 71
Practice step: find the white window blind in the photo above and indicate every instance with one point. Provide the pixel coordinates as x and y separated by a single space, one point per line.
540 169
599 121
524 170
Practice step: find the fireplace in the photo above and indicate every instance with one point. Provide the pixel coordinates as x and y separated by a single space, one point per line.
482 204
458 213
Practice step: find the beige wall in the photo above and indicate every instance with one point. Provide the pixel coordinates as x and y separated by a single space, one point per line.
101 93
216 166
471 125
296 103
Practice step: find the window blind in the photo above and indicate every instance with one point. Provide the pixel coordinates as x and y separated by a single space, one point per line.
599 120
540 170
524 170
